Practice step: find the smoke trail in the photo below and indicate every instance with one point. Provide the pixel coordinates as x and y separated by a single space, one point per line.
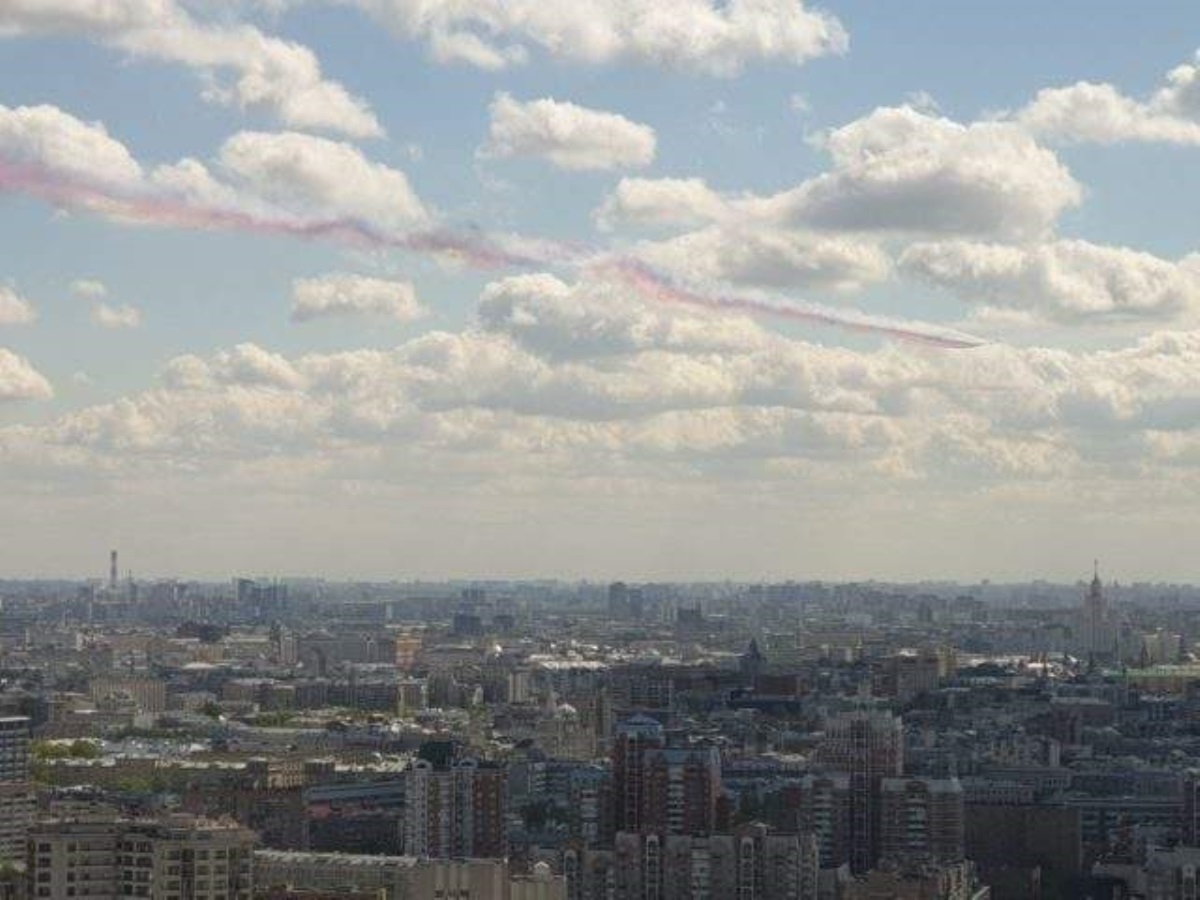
650 283
471 247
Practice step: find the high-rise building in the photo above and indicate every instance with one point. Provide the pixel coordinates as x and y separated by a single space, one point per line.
16 814
14 748
174 858
634 738
921 820
1099 636
869 747
16 794
680 790
822 804
455 810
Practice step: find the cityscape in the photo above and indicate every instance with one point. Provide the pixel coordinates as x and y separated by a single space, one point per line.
599 450
798 740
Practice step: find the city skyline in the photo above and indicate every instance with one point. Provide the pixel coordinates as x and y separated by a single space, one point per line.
752 290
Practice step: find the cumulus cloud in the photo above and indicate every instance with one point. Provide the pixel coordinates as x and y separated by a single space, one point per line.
46 138
592 318
770 257
718 38
574 376
89 289
239 65
19 380
344 294
567 135
15 309
316 177
904 170
1065 280
1088 112
576 386
288 182
669 202
896 171
114 316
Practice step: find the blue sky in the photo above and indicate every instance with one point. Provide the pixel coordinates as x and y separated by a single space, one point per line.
547 417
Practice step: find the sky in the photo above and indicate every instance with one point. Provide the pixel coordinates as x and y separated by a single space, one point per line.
756 289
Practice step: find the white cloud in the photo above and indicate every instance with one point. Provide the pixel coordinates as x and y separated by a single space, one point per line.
1065 280
591 318
718 38
267 73
1087 112
670 202
110 316
569 136
898 170
1099 113
344 294
21 381
579 388
15 309
770 257
902 170
46 138
315 177
89 289
286 182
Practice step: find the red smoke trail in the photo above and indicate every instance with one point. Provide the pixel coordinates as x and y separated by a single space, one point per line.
473 248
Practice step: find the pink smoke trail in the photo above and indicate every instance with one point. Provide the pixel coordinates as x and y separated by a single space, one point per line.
473 248
650 283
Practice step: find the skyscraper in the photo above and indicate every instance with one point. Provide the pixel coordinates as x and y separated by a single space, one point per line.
1098 634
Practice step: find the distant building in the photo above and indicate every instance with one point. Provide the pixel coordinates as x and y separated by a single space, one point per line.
1098 633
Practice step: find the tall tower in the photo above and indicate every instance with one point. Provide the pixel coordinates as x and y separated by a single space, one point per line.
112 571
1097 631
